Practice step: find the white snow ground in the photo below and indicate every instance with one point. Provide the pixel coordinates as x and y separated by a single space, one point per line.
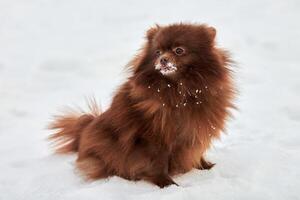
56 52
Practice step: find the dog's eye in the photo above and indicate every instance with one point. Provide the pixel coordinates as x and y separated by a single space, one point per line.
157 52
179 51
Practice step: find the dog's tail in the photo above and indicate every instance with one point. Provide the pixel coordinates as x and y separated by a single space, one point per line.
69 126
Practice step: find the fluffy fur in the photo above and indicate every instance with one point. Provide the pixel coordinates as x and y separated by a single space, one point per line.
160 123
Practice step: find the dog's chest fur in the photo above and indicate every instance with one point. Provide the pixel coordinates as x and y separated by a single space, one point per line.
173 111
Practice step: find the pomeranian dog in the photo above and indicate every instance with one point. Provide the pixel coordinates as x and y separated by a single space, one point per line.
163 118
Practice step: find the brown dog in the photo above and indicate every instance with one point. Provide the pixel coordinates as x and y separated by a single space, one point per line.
163 119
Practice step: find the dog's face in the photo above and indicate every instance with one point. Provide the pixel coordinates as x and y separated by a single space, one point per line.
178 50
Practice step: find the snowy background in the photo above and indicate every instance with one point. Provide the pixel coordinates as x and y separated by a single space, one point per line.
57 52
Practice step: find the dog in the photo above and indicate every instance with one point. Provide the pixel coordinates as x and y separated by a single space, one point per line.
162 120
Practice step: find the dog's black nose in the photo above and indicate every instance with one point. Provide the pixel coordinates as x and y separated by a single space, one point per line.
163 61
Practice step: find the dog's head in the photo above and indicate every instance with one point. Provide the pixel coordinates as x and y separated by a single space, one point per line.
180 50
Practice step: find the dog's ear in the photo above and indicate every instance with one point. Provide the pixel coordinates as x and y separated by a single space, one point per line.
211 33
152 31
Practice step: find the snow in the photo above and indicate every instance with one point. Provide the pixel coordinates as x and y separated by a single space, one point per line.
57 52
169 69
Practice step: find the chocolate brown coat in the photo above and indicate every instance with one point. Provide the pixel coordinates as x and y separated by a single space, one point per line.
157 125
